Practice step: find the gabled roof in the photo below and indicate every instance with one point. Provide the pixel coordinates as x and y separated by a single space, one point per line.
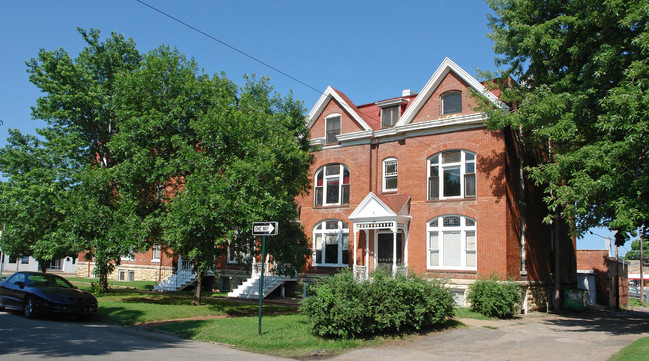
447 66
384 208
327 95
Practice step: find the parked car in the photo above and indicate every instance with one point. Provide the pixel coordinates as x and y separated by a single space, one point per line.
34 293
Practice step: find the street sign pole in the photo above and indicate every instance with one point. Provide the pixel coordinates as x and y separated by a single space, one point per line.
261 279
263 229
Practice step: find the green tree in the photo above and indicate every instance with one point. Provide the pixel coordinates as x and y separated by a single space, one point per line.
583 99
634 252
214 158
79 107
34 199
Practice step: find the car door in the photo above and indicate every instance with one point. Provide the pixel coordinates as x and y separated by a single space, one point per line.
13 291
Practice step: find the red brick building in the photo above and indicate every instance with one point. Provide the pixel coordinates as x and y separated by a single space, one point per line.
598 264
418 182
414 183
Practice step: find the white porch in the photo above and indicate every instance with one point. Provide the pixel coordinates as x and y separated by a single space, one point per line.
384 223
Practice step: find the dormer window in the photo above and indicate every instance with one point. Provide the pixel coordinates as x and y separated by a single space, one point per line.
333 129
390 111
389 116
451 102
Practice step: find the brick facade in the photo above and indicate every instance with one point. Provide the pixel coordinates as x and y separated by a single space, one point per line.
496 208
603 267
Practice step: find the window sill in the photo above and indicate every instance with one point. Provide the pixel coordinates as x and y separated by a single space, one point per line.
452 270
330 265
155 261
344 205
452 199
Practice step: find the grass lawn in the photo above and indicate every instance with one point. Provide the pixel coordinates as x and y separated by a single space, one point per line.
283 335
84 283
635 351
465 312
285 332
135 307
634 302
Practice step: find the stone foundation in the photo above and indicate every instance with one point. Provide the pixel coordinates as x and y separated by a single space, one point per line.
129 272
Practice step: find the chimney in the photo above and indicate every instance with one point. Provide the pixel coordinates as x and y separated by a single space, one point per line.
607 245
407 92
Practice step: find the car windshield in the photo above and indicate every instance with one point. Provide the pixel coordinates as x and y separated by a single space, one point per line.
48 280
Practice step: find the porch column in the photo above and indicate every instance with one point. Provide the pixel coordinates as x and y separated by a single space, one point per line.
405 247
355 242
367 254
394 250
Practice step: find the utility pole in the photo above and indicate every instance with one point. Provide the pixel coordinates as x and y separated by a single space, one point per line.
2 255
617 279
641 278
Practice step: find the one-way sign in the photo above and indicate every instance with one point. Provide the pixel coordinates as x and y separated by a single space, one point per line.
264 228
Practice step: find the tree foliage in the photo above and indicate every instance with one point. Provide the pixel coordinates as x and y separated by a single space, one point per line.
583 98
143 149
78 106
219 157
33 200
634 252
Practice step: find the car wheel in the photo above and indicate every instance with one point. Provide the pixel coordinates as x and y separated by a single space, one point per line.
28 308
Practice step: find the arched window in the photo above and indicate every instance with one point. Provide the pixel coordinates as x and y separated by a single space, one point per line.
331 185
390 175
452 243
331 243
451 174
451 102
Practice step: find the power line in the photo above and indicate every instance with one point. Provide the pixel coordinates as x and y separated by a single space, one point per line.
244 53
229 46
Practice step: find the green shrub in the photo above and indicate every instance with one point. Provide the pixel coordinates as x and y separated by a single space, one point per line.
494 298
343 307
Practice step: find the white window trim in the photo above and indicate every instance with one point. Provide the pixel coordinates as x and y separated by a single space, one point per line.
130 257
385 175
153 249
233 260
341 178
331 116
340 230
383 109
440 229
442 98
440 174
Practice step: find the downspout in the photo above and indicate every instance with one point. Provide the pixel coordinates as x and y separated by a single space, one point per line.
376 177
370 168
521 202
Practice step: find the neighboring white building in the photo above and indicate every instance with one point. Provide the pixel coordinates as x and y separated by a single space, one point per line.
15 264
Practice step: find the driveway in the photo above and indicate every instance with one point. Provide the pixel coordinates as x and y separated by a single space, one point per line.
591 335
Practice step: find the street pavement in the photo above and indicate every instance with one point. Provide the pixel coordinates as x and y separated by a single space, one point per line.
592 335
49 338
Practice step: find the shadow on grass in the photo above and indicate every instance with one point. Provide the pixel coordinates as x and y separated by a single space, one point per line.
118 314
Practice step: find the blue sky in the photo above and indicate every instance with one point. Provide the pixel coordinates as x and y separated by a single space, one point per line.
370 50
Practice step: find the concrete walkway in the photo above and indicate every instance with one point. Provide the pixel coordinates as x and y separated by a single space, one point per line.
591 335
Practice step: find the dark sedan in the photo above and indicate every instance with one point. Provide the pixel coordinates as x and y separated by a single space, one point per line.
35 293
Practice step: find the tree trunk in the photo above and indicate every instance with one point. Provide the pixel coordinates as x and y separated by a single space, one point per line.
103 281
43 265
199 288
